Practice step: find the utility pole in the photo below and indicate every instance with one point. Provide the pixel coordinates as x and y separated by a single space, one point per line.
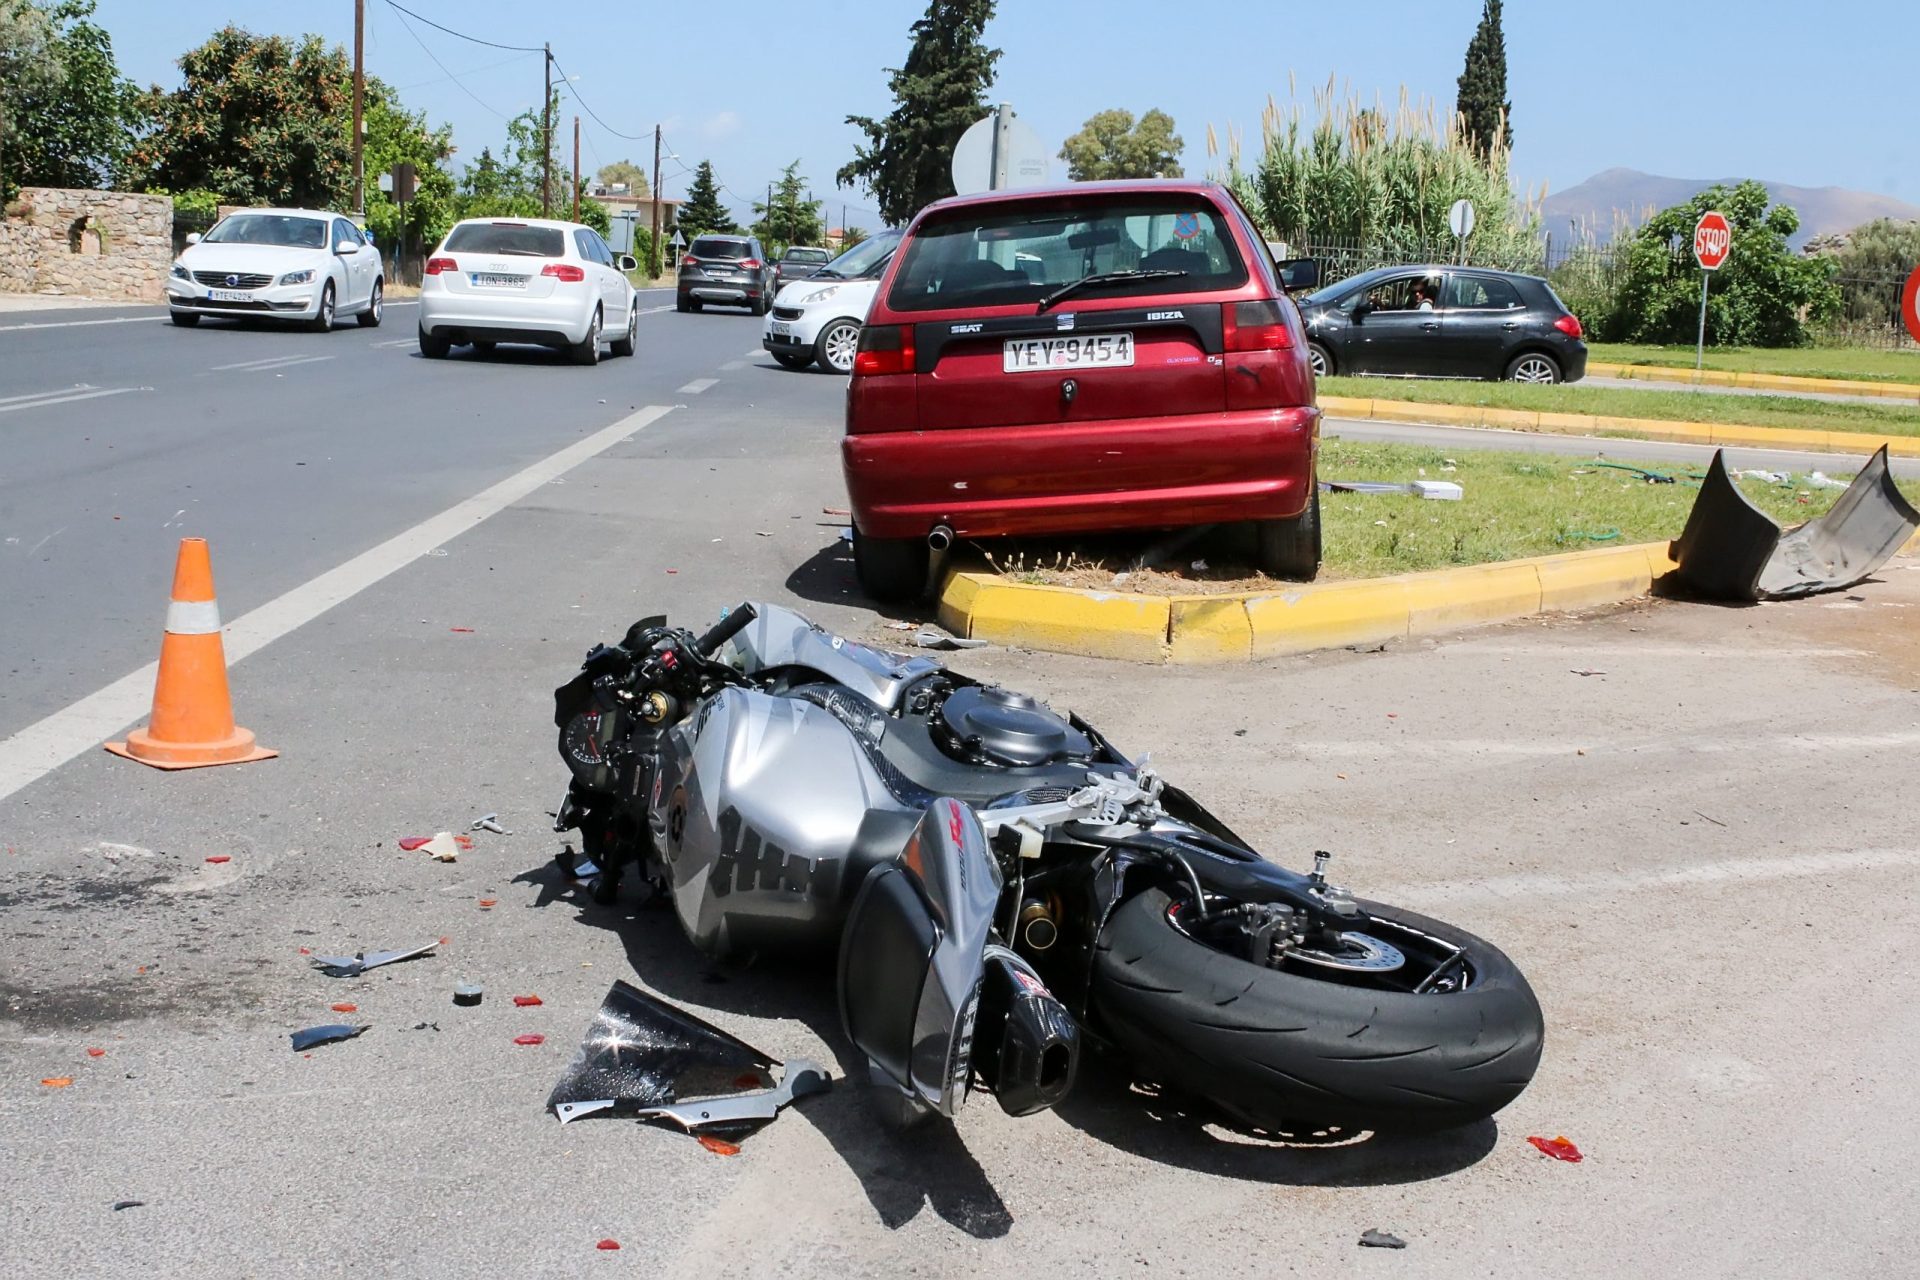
653 252
576 168
546 139
359 99
768 219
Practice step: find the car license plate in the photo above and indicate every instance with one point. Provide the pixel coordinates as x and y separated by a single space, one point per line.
230 295
1069 351
782 330
486 280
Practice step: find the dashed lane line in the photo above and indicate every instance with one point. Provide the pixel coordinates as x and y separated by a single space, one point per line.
75 324
271 362
698 385
66 396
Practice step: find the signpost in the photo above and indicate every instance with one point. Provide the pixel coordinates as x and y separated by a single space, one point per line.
1712 243
1460 220
1910 304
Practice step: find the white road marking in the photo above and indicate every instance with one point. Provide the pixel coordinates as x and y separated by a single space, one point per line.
653 311
75 324
402 302
89 393
754 354
41 395
82 726
733 366
397 342
271 362
698 385
1640 879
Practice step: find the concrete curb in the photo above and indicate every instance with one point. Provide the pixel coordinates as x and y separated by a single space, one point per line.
1587 424
1756 381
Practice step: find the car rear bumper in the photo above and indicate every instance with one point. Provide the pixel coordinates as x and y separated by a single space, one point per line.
1083 478
1573 362
557 319
724 291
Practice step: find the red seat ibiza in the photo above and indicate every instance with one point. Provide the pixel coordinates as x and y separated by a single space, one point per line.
1080 359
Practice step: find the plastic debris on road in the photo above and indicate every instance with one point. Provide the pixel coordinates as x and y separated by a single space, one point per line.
489 822
719 1146
526 1002
96 1053
1559 1148
218 858
118 1205
530 1039
1373 1238
467 994
941 640
353 966
410 843
608 1245
442 847
328 1034
56 1082
344 1007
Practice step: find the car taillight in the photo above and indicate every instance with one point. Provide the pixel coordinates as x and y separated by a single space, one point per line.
1257 326
436 265
1570 325
564 271
884 348
749 264
689 261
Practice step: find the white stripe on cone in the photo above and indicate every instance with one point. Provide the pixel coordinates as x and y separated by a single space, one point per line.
193 617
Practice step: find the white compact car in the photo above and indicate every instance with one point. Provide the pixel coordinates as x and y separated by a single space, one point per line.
819 318
554 284
300 265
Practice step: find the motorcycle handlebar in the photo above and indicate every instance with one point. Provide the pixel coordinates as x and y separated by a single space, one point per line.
724 630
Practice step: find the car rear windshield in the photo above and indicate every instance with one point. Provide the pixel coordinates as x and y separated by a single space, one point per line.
708 248
508 238
284 230
807 255
995 255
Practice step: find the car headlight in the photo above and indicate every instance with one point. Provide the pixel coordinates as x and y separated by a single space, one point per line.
180 271
821 295
297 277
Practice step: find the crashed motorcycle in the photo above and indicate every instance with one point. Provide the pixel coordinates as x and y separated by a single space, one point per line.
1006 888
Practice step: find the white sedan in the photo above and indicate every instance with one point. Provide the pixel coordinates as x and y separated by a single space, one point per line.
300 265
819 318
554 284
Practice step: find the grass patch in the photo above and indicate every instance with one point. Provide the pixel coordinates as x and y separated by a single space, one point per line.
1857 364
1514 505
1631 402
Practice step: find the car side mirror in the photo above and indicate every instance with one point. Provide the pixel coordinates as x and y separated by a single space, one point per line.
345 249
627 262
1361 308
1298 273
193 237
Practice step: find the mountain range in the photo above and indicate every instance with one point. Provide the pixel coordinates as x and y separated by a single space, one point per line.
1627 196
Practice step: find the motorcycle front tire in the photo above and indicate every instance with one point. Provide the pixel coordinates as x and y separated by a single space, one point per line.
1275 1049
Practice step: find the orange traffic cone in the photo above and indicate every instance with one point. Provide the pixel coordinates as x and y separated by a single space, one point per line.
192 723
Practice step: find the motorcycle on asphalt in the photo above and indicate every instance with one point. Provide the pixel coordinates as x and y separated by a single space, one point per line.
1006 888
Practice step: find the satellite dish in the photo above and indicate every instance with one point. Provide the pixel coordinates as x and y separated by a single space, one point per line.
1021 159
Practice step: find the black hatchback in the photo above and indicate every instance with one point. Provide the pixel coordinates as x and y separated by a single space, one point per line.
1444 322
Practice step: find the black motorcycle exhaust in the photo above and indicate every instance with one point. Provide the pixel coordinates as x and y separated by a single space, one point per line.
1026 1046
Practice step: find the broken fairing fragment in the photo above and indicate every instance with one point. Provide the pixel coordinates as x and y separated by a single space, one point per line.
303 1040
353 966
645 1058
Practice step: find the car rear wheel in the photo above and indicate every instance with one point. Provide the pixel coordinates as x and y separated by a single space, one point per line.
435 346
1534 367
683 305
370 318
695 305
1321 359
760 306
322 321
185 319
587 350
891 570
788 360
835 346
1290 549
625 344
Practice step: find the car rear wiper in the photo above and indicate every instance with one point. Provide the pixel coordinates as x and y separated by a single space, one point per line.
1106 277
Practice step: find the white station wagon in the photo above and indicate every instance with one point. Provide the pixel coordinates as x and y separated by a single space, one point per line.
551 283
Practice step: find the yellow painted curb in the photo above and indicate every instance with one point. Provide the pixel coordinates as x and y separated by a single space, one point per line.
1104 624
1328 616
1758 381
1209 629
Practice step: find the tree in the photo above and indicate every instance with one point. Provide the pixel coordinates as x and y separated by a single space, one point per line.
1873 262
256 119
396 136
70 119
28 66
1111 145
626 171
941 90
1482 102
850 236
703 213
791 218
1763 296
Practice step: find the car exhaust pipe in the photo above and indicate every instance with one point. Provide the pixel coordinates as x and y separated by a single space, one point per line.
941 538
939 543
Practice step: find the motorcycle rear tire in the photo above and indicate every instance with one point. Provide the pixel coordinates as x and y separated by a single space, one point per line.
1274 1049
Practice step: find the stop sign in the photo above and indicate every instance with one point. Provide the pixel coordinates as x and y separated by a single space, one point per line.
1712 240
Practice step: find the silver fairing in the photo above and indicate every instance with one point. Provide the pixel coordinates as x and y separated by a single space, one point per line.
780 637
756 812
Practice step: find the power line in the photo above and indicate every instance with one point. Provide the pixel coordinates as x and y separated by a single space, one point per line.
491 66
443 66
568 82
517 48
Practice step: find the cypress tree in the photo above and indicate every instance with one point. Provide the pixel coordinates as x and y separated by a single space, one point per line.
1482 102
908 160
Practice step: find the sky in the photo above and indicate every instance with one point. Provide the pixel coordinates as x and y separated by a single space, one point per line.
1813 96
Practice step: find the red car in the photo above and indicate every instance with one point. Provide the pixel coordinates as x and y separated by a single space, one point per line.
1077 359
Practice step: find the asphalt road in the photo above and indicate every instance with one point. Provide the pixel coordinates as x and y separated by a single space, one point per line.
1689 825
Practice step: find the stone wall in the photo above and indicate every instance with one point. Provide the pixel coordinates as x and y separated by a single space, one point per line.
93 244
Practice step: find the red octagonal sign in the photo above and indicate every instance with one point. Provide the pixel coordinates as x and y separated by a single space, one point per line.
1712 240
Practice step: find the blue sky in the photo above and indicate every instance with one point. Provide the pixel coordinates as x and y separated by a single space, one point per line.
1814 96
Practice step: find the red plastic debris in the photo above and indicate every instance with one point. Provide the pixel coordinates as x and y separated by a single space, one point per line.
608 1244
446 942
96 1053
219 857
486 903
465 631
57 1082
410 843
306 951
465 842
530 1039
526 1002
669 571
1559 1148
719 1146
344 1008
